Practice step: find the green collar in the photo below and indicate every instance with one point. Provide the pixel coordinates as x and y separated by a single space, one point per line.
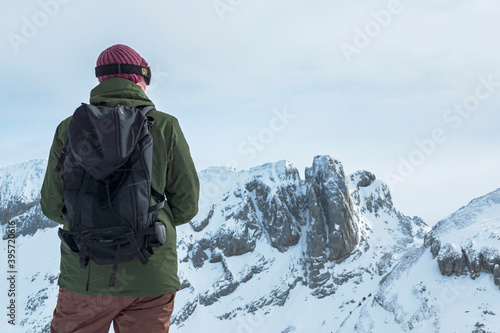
119 91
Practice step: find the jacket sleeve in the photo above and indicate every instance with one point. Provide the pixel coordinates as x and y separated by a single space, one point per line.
182 186
52 194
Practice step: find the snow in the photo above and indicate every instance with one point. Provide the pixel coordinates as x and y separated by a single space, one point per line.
420 299
302 312
21 182
481 235
390 283
415 297
37 259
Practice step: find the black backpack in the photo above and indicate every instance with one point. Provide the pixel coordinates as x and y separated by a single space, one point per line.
107 187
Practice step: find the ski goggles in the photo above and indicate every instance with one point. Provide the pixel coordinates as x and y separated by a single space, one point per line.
118 68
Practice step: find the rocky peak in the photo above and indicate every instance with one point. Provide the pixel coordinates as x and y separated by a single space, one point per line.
333 232
264 234
361 178
21 182
282 171
375 193
271 204
467 242
20 186
324 166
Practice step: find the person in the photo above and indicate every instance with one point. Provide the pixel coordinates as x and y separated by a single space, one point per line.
142 298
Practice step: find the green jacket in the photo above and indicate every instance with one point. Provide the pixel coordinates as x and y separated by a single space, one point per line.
173 170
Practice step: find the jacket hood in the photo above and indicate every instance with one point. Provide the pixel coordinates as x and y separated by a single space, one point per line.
116 91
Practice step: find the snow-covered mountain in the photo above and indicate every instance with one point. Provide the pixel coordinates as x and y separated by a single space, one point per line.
448 285
20 186
270 252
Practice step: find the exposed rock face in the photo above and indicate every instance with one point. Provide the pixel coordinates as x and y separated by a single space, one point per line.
333 233
379 199
362 178
271 202
198 256
280 207
418 298
266 203
468 242
263 235
223 286
453 259
183 314
200 225
237 241
496 274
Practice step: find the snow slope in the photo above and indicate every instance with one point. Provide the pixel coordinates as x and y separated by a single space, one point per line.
20 186
447 285
266 253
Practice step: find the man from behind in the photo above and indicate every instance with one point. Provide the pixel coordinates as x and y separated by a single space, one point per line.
140 295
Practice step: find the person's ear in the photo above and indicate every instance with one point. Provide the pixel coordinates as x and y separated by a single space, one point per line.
142 84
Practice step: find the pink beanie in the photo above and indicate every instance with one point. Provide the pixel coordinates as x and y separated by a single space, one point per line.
124 55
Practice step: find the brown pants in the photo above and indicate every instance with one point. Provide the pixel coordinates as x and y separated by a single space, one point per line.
77 313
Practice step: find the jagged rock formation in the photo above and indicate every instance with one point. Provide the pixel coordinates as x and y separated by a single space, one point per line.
268 248
496 274
333 231
468 241
429 291
272 203
273 221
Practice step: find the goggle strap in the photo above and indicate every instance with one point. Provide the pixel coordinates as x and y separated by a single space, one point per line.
118 68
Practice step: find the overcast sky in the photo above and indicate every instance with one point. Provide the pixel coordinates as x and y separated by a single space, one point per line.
409 90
